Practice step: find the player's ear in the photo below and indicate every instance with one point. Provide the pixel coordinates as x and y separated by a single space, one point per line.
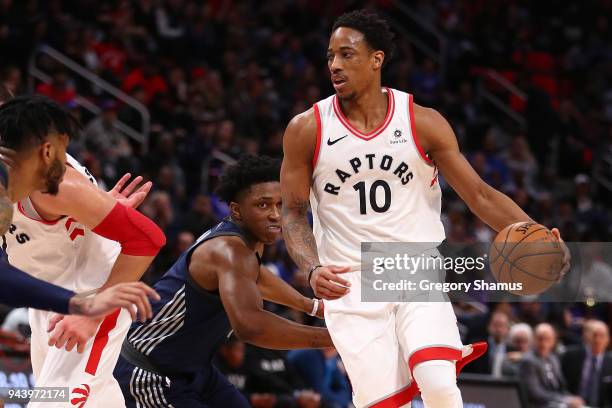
379 58
235 211
47 152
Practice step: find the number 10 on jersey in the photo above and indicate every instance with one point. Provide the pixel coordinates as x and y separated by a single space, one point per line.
373 195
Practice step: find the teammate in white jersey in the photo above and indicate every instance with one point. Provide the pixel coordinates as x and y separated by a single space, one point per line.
368 158
31 158
81 238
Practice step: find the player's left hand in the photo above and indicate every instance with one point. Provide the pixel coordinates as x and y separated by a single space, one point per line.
69 331
125 195
566 254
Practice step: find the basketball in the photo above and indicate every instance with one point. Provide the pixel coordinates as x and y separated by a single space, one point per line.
526 253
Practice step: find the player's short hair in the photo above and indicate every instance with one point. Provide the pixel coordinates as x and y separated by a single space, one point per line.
376 31
248 171
28 120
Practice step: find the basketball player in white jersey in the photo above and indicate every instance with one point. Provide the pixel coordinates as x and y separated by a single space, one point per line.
369 155
81 239
32 159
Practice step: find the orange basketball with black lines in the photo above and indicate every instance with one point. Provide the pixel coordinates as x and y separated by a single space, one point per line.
528 253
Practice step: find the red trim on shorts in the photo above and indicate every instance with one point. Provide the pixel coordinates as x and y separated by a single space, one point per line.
398 399
46 222
371 135
478 350
315 157
100 342
414 134
407 394
433 353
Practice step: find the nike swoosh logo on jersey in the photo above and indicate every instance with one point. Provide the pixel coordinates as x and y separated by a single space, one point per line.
330 142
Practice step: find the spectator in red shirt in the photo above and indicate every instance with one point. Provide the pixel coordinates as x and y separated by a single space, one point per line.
60 89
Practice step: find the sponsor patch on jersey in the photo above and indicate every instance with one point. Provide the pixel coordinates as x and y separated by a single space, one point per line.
398 137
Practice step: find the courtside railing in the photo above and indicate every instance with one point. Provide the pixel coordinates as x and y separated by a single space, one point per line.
37 73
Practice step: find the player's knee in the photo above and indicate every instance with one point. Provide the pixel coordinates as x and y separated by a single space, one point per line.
437 381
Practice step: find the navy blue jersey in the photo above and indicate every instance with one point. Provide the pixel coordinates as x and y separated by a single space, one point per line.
189 322
18 289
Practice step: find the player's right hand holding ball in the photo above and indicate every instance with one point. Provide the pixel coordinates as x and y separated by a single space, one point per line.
566 253
326 283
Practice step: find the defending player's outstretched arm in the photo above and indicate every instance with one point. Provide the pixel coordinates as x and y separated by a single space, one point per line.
296 174
237 271
493 207
274 289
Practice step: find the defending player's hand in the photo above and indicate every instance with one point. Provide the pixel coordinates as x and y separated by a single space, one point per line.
126 295
327 284
71 331
125 195
566 254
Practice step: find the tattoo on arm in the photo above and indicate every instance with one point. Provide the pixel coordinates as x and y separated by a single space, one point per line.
78 305
298 234
81 302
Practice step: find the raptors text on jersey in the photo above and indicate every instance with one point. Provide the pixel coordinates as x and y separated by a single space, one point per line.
371 187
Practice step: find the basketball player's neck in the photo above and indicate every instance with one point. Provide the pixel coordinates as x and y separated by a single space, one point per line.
367 110
251 241
19 185
253 244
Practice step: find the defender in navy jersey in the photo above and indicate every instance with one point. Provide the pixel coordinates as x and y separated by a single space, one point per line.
216 286
34 133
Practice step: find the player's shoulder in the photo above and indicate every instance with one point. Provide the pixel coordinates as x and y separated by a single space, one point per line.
74 182
301 135
224 251
431 128
425 117
303 123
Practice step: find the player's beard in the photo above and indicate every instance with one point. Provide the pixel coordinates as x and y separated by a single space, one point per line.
54 176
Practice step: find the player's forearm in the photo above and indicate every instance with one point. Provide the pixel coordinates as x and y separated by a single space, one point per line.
128 268
299 239
140 241
274 289
497 210
265 329
18 289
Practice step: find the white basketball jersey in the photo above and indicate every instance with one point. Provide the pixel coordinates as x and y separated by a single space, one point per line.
63 252
377 187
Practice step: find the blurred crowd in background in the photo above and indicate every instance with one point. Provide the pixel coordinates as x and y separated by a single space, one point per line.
221 78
